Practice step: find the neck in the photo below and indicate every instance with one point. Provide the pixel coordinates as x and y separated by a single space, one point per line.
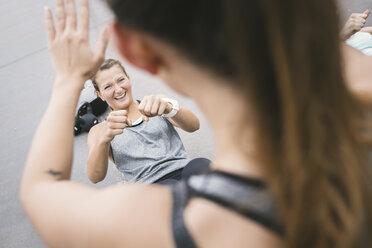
133 112
233 126
227 111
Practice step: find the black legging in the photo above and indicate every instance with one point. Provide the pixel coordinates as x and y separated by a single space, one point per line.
194 167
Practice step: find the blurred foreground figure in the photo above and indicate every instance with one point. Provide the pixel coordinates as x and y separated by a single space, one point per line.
290 167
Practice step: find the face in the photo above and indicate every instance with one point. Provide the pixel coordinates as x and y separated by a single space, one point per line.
115 88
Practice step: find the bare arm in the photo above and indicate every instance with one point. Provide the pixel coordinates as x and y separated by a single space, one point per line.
99 139
154 105
99 153
50 156
68 214
186 120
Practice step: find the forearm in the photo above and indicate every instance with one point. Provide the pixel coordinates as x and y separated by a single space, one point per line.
186 120
98 162
50 156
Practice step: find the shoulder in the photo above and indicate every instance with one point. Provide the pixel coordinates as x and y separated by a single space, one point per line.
212 225
139 210
117 216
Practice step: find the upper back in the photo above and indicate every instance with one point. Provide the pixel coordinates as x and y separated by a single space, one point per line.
209 224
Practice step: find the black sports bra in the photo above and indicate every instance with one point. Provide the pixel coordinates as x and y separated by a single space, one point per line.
248 197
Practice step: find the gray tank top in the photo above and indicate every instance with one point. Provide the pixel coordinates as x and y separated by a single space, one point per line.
148 151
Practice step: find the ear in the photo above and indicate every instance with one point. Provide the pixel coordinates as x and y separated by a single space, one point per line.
135 48
99 95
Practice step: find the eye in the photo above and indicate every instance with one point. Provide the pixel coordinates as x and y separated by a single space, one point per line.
121 79
106 87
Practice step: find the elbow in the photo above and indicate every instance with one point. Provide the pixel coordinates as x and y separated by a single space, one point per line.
194 127
25 191
23 194
95 178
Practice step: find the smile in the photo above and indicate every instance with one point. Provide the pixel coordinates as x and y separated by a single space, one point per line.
121 96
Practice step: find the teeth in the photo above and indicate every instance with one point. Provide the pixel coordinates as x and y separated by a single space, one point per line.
121 96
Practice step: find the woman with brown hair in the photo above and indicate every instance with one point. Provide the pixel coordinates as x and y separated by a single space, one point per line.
289 168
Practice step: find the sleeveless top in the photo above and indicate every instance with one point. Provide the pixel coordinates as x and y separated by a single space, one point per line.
246 196
148 151
361 41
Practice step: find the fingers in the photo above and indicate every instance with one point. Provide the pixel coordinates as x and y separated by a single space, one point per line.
142 105
118 113
155 107
119 116
117 119
84 18
366 13
148 107
51 32
112 130
162 107
61 18
116 125
71 15
359 22
102 45
356 22
141 108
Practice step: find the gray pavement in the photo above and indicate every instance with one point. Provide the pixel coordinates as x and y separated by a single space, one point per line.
26 78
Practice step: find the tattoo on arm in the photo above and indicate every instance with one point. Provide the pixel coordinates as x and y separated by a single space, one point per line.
54 173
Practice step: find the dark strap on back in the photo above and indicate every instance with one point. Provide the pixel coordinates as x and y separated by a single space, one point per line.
182 237
248 197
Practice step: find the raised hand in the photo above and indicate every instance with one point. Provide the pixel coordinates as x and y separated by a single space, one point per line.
68 42
114 125
354 24
154 105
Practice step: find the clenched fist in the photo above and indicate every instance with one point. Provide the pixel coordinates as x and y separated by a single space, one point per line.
154 105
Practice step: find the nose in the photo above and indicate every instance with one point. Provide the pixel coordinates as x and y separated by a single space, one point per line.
118 88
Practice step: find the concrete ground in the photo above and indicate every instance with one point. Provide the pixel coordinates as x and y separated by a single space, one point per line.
26 78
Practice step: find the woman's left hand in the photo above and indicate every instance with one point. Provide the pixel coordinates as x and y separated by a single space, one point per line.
68 42
154 105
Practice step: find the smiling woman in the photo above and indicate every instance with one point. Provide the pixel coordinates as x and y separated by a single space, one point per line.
151 151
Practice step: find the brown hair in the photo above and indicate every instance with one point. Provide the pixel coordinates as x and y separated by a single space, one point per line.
285 55
107 64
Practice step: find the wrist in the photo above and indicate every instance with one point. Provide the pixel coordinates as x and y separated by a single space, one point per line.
174 110
104 141
104 135
69 82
